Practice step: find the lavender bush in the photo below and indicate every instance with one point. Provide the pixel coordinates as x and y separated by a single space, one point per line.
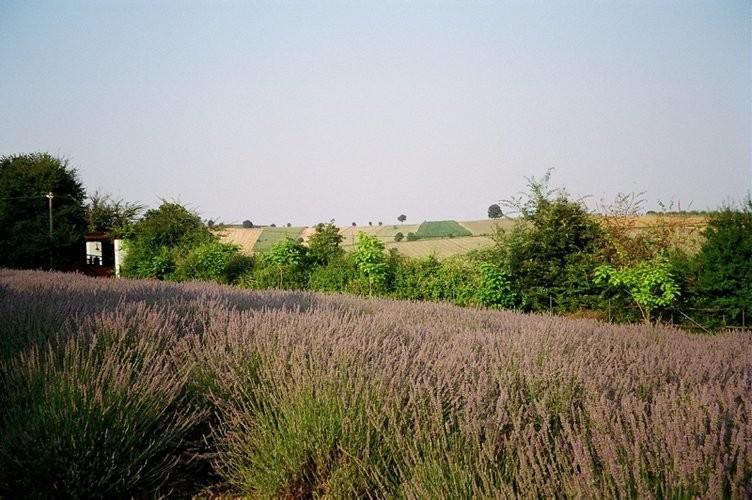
299 394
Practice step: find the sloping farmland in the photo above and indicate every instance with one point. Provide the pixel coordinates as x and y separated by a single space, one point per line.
385 233
441 247
487 227
259 239
273 235
245 238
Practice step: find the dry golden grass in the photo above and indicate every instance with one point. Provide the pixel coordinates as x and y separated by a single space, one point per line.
245 238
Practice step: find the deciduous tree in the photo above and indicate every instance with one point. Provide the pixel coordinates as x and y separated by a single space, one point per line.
105 214
371 260
42 215
494 212
324 243
550 253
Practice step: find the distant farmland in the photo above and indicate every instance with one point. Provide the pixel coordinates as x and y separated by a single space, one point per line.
439 238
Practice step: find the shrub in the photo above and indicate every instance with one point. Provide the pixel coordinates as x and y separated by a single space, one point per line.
724 265
334 276
213 261
399 237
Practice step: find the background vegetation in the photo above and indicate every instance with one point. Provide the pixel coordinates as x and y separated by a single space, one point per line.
551 254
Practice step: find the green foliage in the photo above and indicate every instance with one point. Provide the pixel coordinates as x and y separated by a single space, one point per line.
103 214
287 252
399 237
724 265
247 224
495 287
324 243
411 236
638 261
25 241
161 239
494 212
550 249
335 276
213 261
402 218
650 283
419 279
460 280
371 261
441 229
288 257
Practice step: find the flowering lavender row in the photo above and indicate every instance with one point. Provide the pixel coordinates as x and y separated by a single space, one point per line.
143 386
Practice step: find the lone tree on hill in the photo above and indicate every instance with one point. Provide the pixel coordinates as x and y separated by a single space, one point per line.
494 212
402 218
247 224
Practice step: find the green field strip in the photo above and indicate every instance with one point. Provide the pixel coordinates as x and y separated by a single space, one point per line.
441 229
273 235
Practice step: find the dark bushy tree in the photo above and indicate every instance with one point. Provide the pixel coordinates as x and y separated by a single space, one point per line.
402 218
494 212
247 224
105 214
26 181
724 265
551 253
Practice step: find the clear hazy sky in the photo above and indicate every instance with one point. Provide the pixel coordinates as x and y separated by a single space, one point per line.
304 111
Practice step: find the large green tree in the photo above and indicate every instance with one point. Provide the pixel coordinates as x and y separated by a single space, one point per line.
42 216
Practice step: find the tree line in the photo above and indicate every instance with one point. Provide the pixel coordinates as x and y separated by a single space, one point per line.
558 258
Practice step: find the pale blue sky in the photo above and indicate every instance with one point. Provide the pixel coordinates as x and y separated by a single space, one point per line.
359 111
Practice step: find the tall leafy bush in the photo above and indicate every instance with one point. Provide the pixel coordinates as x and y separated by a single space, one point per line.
724 266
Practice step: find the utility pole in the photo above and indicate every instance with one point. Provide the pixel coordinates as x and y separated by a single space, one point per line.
49 197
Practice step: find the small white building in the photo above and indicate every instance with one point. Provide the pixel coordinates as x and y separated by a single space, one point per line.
104 255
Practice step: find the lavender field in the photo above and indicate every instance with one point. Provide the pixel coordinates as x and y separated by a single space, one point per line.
118 387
